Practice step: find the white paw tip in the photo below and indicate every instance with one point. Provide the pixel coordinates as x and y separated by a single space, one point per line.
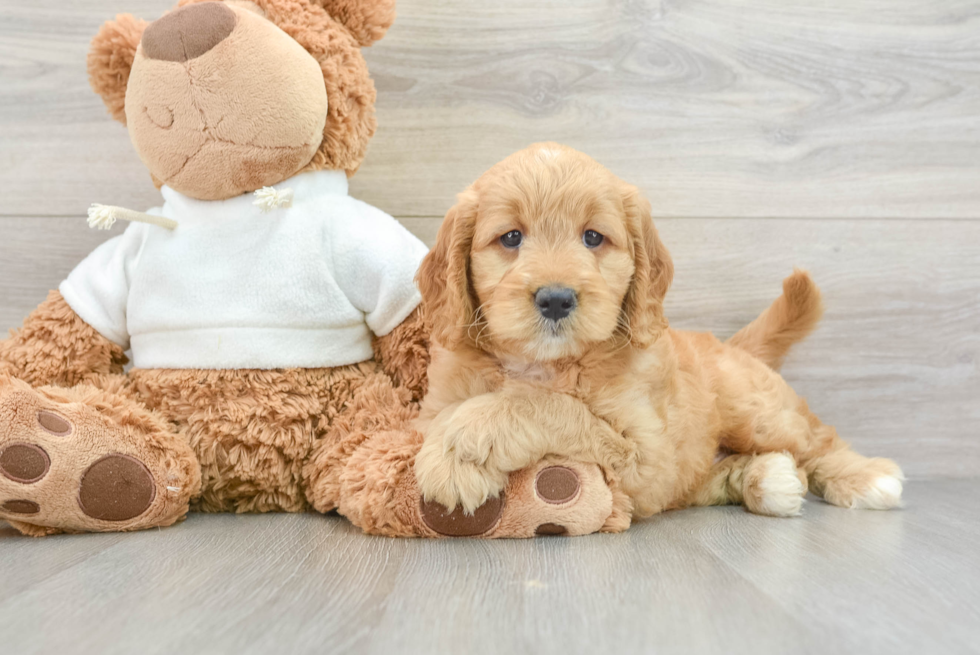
885 493
781 492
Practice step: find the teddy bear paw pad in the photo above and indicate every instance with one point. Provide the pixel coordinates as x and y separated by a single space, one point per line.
24 462
69 466
21 507
51 422
557 485
554 497
458 523
116 488
551 530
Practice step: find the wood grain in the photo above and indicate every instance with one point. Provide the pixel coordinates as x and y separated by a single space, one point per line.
716 108
771 133
707 580
894 366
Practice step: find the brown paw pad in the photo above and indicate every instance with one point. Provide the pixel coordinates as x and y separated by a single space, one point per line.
21 507
459 524
51 422
557 485
24 462
116 488
551 530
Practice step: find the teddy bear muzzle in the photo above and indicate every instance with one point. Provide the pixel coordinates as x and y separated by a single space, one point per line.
188 32
220 101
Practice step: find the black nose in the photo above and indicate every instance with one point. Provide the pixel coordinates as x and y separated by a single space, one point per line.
555 303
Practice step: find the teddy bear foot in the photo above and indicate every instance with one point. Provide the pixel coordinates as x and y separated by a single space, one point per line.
85 460
377 491
553 497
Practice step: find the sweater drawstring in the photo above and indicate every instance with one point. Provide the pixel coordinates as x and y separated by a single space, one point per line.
102 217
268 198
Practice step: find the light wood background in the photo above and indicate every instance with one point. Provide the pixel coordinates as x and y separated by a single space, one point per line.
839 136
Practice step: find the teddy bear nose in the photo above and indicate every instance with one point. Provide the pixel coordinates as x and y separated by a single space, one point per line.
188 32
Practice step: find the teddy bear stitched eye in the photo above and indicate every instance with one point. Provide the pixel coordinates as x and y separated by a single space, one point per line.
592 239
512 239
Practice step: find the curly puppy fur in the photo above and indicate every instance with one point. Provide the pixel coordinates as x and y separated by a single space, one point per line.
789 320
609 381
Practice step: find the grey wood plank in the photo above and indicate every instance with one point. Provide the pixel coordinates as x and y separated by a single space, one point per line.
715 107
694 581
893 366
852 572
23 564
259 578
36 254
58 146
637 593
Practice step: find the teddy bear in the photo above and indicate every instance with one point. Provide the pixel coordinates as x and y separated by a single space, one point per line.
278 343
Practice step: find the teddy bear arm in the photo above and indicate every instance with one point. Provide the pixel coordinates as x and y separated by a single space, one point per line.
403 353
56 347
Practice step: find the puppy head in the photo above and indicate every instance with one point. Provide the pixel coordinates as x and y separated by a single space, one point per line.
545 256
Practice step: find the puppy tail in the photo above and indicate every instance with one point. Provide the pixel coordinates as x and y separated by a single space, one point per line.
788 320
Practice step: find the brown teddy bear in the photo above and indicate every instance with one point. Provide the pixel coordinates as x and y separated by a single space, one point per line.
279 349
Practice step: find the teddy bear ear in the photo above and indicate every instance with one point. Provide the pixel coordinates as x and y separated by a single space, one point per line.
110 59
366 20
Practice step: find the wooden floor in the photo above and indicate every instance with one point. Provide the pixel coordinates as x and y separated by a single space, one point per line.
840 136
714 580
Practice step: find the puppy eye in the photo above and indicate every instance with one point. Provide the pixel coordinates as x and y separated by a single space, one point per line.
592 239
512 239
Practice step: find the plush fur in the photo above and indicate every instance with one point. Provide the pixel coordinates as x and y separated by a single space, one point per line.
110 60
201 126
345 129
610 382
256 92
366 21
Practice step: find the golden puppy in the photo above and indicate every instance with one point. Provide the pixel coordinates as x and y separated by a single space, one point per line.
546 288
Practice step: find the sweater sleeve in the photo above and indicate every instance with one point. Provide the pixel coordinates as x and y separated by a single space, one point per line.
375 261
98 288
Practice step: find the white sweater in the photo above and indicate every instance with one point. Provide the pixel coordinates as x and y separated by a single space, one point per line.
234 286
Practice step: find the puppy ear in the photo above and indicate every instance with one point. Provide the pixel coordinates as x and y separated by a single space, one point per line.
110 58
366 20
444 275
644 302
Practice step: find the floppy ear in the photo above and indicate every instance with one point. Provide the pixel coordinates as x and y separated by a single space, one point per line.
110 58
444 275
366 20
644 302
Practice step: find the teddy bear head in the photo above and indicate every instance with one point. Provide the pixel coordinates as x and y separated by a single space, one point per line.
225 97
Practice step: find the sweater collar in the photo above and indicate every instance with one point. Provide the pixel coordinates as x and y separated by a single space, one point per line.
304 186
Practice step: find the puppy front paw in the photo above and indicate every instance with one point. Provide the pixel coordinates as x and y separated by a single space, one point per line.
447 479
618 452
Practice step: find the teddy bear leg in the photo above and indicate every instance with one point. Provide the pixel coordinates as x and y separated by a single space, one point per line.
85 459
364 468
376 407
55 346
555 496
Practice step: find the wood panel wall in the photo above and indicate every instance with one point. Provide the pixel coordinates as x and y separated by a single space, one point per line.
840 136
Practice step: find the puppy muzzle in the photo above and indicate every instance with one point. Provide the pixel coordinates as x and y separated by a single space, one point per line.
555 302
